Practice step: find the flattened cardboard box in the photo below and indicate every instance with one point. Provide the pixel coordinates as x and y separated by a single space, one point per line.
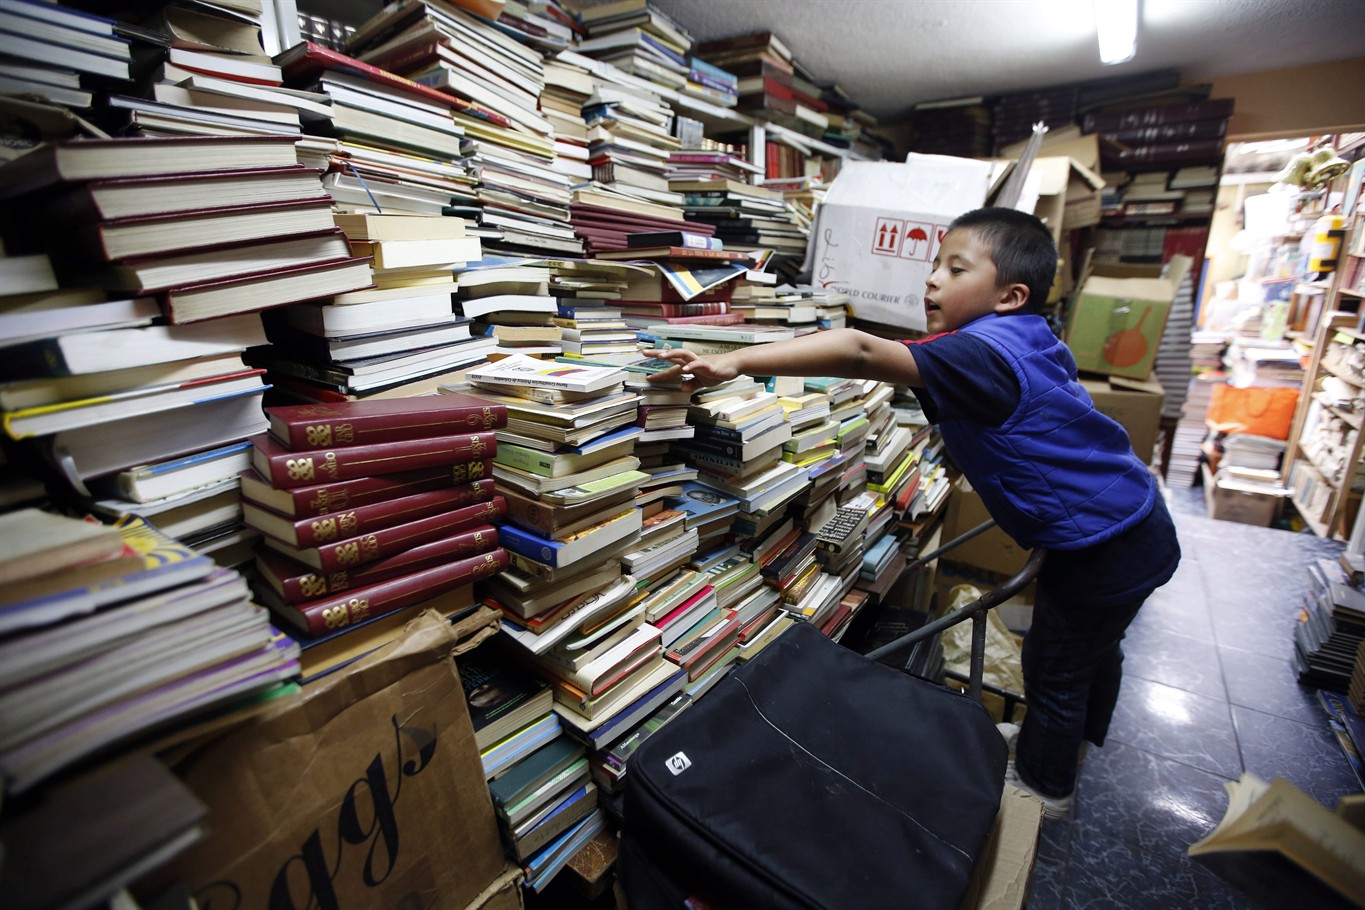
365 792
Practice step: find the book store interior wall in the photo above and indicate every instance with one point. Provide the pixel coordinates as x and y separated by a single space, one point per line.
322 361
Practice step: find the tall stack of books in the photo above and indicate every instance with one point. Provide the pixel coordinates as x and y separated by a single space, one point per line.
510 303
109 633
668 295
952 126
711 83
629 136
212 79
567 88
1161 136
59 54
1013 116
381 341
212 260
762 63
370 511
746 217
638 39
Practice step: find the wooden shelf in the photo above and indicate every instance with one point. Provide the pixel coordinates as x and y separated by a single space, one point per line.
1318 527
1350 417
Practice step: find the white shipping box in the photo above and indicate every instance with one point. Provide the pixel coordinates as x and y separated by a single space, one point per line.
880 227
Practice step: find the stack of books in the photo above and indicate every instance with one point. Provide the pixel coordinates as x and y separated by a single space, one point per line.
638 39
567 88
1155 136
212 79
510 303
58 54
203 254
711 83
382 340
746 217
1013 116
763 66
114 405
370 511
952 126
673 292
109 632
603 216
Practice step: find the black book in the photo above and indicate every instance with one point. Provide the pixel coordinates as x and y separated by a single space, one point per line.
1212 109
503 695
516 793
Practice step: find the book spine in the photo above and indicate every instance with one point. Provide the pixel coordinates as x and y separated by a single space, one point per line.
530 460
348 494
326 427
1212 109
539 549
286 470
318 617
338 527
347 554
309 585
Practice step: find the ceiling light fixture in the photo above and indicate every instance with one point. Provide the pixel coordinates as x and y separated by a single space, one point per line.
1116 23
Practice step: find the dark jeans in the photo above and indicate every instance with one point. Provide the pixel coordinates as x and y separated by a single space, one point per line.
1072 663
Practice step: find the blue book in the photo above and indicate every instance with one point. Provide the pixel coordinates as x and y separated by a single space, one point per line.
701 503
560 552
700 67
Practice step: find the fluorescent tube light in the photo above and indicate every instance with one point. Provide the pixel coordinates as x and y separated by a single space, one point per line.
1116 23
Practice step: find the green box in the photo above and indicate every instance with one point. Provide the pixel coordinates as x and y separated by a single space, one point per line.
1115 325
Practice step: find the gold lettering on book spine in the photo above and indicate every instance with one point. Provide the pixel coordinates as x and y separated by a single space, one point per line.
348 522
299 468
477 445
325 529
329 464
312 586
475 470
478 539
338 581
490 510
348 554
369 546
489 566
329 501
359 607
318 435
335 617
345 434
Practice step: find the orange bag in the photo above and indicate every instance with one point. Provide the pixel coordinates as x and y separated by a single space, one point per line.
1256 410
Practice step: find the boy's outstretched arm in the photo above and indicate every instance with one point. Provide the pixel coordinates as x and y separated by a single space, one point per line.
846 353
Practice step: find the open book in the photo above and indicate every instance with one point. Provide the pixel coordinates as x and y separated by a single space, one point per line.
1277 842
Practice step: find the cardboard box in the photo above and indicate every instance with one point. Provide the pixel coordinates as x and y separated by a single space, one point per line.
1068 195
1115 324
1000 880
364 792
1136 405
1227 501
993 550
880 226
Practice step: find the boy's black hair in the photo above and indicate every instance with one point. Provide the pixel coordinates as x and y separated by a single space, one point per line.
1021 246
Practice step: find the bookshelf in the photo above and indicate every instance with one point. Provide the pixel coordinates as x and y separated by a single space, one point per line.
1323 463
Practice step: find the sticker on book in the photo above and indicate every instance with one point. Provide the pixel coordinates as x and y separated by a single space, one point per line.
678 763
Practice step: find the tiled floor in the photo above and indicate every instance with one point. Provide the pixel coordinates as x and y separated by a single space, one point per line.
1209 691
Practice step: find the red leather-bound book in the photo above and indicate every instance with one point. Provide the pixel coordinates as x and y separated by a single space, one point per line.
476 477
330 614
358 423
286 469
294 582
321 530
359 551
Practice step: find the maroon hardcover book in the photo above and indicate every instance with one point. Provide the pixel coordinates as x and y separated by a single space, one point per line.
287 469
294 582
328 614
326 498
649 308
357 423
358 551
321 530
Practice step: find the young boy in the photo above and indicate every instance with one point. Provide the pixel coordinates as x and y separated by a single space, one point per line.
1053 471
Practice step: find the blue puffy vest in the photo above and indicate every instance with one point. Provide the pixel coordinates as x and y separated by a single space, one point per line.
1057 473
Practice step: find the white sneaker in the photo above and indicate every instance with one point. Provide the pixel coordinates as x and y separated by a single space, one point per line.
1054 807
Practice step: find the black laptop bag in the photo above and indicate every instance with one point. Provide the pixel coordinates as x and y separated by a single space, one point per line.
812 777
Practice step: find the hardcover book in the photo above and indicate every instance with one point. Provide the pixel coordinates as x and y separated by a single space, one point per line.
346 524
287 469
327 614
355 423
503 696
295 582
325 498
348 554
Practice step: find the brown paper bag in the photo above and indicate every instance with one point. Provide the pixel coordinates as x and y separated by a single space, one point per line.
365 792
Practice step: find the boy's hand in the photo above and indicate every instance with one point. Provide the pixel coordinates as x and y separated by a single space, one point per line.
705 371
